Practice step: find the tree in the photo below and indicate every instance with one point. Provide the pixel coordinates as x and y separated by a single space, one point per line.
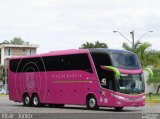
17 41
87 45
133 48
2 73
152 58
5 42
148 58
100 45
97 44
140 49
156 79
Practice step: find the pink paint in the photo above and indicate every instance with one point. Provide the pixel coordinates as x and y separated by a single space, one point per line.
67 87
126 71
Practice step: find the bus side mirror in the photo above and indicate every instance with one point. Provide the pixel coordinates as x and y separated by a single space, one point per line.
114 69
149 72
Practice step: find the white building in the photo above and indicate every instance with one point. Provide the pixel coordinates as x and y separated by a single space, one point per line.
11 50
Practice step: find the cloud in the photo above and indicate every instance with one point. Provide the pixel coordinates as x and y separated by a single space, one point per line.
65 24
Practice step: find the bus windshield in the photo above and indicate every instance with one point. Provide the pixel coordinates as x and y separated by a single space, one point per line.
131 83
125 60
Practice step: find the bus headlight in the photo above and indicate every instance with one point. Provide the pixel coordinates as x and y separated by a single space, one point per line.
128 99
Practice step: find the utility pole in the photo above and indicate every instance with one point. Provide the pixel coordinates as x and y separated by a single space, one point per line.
132 36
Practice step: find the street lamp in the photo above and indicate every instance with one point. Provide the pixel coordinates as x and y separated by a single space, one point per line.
132 36
122 35
145 34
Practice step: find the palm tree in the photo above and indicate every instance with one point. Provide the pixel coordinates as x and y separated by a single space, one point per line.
133 48
147 58
152 58
87 45
100 45
140 49
97 44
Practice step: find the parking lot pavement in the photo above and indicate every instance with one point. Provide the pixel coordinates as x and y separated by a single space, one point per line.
9 107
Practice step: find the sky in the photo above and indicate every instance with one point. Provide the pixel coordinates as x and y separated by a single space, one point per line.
67 24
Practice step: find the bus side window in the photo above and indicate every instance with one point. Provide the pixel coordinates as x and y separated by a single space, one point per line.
68 62
78 62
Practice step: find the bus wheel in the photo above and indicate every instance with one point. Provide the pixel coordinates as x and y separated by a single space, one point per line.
26 100
118 108
35 101
59 105
92 103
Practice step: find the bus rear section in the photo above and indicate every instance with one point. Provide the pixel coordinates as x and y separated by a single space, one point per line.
79 77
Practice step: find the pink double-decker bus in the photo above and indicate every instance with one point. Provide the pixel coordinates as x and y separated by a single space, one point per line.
93 77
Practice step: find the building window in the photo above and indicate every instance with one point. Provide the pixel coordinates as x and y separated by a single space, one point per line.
9 52
30 52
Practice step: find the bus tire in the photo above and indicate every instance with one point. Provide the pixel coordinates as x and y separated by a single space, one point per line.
118 108
35 100
26 100
92 103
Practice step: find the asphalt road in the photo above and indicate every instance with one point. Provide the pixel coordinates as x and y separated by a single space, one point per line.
10 109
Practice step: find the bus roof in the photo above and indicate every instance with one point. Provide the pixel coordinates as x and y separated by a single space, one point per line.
55 53
106 50
74 51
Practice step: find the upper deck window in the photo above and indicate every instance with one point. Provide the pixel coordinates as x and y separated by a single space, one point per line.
52 63
68 62
125 60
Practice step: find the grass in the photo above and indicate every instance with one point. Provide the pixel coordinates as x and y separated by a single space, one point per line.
153 97
3 95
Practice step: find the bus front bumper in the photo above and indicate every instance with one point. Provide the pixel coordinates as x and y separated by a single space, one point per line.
120 101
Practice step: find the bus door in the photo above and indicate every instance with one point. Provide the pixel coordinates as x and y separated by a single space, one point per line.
108 85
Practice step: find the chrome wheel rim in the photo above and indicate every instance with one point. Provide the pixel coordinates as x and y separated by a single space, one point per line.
35 101
27 100
92 102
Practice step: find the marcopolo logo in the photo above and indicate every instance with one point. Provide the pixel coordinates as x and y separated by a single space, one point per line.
30 82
